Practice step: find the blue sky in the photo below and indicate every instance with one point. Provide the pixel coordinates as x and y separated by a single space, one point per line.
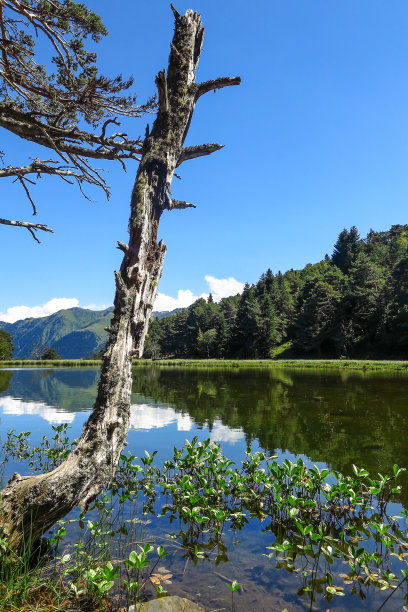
316 140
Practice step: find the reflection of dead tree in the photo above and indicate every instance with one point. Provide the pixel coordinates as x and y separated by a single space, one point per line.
35 503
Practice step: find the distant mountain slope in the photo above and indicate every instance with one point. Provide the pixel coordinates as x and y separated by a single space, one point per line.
74 333
162 314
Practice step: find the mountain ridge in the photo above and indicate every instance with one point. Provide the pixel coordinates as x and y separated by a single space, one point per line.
74 333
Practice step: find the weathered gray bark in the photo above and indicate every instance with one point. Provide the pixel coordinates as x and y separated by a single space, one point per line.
34 503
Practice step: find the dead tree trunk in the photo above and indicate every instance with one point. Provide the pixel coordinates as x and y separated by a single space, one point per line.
32 504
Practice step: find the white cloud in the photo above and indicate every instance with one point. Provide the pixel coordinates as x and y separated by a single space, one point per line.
222 433
184 298
146 416
93 306
17 407
223 287
15 313
219 287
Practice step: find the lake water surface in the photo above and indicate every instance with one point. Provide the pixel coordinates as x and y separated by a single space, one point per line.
327 418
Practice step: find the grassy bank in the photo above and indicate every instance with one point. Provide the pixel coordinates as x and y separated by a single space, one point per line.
50 363
362 365
331 364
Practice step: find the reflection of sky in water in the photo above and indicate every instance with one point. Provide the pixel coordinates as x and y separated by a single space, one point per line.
142 417
222 433
234 409
149 416
18 407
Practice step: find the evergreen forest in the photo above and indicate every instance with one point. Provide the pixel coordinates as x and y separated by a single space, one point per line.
6 345
352 304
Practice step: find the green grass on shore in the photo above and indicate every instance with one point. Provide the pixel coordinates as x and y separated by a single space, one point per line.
332 364
47 363
328 364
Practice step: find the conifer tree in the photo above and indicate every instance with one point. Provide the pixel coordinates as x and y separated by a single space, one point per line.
346 249
6 345
66 105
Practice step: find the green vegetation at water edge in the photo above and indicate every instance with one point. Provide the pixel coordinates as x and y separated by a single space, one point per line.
48 363
337 531
362 365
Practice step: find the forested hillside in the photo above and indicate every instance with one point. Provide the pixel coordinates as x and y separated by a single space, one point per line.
354 303
73 333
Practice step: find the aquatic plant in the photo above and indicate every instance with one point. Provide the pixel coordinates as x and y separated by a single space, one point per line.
317 521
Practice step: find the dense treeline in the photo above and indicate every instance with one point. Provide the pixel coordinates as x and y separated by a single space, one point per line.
354 303
6 345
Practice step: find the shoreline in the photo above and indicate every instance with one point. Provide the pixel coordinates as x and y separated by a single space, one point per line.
364 365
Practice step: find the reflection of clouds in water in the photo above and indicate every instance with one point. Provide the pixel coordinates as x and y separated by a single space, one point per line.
146 416
222 433
12 405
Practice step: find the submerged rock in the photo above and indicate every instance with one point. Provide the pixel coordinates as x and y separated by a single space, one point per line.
173 603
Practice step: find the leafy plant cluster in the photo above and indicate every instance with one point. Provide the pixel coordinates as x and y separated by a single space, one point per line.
315 517
352 304
97 567
318 521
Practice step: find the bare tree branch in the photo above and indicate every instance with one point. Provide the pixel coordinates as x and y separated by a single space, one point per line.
123 247
39 167
31 227
67 140
22 181
175 12
219 83
198 151
177 204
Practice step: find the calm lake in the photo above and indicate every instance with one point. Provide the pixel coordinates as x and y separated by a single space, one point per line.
327 418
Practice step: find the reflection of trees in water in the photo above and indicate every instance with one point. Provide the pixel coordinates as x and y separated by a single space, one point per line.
68 389
338 419
233 397
5 378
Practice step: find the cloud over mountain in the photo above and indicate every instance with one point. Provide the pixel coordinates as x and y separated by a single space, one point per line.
16 313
